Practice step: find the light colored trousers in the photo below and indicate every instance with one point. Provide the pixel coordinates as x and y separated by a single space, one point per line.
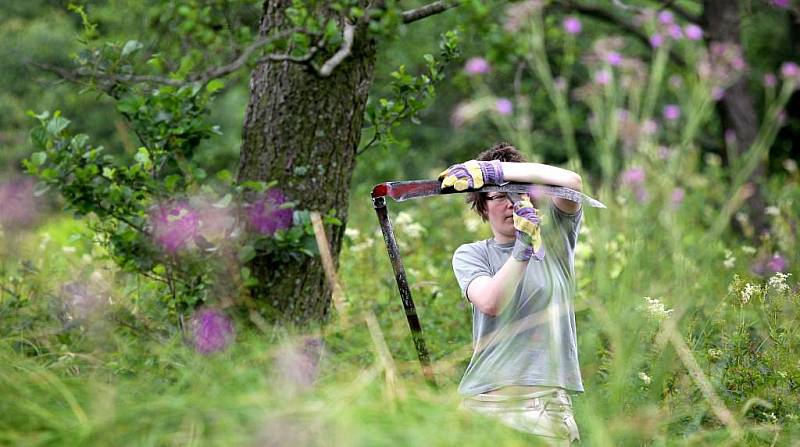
546 413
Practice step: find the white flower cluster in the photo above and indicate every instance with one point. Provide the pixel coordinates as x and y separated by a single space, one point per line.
354 235
778 282
748 291
406 223
656 309
730 259
748 250
645 378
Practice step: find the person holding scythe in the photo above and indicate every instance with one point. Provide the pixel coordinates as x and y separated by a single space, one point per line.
521 284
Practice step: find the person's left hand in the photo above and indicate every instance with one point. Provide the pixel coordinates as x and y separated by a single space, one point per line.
472 174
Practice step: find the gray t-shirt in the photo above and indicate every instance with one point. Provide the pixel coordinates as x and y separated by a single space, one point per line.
532 341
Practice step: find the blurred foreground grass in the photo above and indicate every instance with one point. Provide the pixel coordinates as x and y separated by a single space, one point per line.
680 342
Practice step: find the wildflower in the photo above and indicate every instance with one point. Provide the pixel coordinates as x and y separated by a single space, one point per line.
778 282
649 127
297 363
657 310
503 106
714 354
717 93
614 58
174 225
632 176
790 165
730 137
602 77
656 40
212 331
772 211
665 17
519 13
783 4
671 112
464 112
693 32
476 66
560 83
677 196
730 260
644 378
352 233
675 82
777 264
268 214
748 292
18 205
770 80
675 31
790 70
572 25
746 249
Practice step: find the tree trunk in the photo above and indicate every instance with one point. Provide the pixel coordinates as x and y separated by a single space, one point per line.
303 130
737 109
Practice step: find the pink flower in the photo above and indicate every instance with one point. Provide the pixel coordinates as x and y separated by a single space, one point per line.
656 40
770 80
649 127
614 58
790 70
675 31
266 215
632 176
777 264
693 32
212 331
602 77
572 25
717 93
174 225
783 4
503 106
671 112
665 17
677 196
476 66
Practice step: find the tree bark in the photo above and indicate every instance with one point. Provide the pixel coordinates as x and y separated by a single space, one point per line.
303 130
737 110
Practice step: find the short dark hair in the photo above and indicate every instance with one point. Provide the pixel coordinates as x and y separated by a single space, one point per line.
502 151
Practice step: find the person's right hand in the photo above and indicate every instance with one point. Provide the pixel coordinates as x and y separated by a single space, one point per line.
527 222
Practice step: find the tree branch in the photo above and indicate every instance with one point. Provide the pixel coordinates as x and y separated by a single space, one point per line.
344 51
428 10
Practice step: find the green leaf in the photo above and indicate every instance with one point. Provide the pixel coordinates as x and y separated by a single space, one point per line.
56 125
247 253
130 47
214 86
38 158
142 156
224 176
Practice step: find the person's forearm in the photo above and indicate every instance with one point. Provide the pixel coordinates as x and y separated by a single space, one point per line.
541 174
491 294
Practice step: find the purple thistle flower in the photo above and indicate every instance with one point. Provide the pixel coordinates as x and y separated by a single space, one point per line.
267 216
777 264
675 31
174 225
677 196
790 70
656 40
476 66
632 176
693 32
18 205
572 25
503 106
671 112
614 58
770 80
212 331
602 77
665 17
783 4
717 93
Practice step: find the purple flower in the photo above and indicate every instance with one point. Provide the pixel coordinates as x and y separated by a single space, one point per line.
656 40
665 17
693 32
770 80
614 58
677 196
783 4
476 66
675 31
671 112
717 93
174 225
297 364
572 25
602 77
790 70
503 106
777 264
266 215
649 127
212 331
18 205
730 137
632 176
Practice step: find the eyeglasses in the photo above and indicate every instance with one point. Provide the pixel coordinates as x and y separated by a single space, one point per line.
499 196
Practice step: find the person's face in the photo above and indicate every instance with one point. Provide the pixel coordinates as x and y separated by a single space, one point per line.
500 213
